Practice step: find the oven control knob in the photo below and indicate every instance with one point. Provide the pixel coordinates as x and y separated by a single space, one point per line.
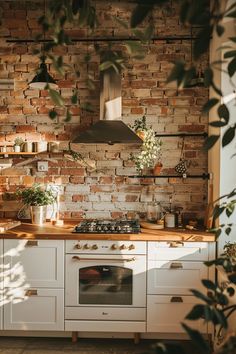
78 246
114 247
94 247
86 247
122 247
131 247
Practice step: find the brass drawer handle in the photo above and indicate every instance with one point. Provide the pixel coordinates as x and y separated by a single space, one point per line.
77 258
176 299
31 243
31 292
175 244
176 265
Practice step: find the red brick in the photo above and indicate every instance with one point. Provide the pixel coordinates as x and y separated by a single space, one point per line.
73 171
76 180
25 128
105 180
137 110
78 198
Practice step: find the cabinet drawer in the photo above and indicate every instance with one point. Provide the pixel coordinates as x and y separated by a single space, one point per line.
43 309
105 314
165 315
175 277
40 262
193 251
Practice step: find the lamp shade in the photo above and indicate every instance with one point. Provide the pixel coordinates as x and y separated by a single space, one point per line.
42 78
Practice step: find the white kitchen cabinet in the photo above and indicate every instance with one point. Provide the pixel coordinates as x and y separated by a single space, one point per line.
34 285
172 277
1 284
40 309
165 314
173 269
41 262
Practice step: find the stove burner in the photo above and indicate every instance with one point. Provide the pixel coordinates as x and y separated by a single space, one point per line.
108 226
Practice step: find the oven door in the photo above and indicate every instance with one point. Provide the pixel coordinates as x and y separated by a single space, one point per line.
106 280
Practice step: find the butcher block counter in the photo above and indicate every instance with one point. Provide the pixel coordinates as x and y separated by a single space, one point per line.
52 232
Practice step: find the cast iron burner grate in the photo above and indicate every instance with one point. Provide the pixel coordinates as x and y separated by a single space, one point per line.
108 227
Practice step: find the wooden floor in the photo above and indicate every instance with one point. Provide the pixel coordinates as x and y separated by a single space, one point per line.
11 345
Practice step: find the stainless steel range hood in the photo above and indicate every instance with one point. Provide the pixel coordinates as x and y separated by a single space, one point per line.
109 129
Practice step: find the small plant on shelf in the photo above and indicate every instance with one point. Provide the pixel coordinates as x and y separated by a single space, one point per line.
150 149
18 142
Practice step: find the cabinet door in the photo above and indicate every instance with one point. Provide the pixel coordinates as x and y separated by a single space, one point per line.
165 314
40 262
175 277
1 284
40 309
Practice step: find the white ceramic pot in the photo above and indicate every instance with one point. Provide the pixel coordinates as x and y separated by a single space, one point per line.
17 148
38 214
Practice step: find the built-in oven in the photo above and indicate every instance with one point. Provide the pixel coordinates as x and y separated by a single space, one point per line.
105 283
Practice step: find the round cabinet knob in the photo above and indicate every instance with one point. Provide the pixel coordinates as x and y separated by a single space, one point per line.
114 247
131 247
94 247
86 247
78 246
122 247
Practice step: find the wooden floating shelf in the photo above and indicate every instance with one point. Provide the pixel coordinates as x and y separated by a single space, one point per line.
18 153
203 176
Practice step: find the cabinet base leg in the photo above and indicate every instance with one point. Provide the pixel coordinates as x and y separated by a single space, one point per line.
136 338
74 337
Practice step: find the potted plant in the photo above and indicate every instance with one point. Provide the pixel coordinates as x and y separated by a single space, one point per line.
37 198
150 151
140 127
17 144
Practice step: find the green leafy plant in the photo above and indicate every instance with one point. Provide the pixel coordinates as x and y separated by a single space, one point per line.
18 141
140 124
230 251
150 151
36 196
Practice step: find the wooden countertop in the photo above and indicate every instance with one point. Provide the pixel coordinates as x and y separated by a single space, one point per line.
51 232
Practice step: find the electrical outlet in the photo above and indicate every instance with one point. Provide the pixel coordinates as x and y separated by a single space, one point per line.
42 166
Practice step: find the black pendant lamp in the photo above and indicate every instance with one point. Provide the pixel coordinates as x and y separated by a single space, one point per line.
43 78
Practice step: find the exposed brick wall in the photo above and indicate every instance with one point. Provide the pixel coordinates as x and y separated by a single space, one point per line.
108 192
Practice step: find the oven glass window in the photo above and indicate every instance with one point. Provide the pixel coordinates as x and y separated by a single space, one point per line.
105 285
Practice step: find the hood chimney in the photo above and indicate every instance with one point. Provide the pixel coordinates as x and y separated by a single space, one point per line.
110 129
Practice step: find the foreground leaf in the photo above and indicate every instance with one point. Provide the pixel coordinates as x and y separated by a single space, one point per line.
210 104
139 14
198 339
228 136
56 97
210 142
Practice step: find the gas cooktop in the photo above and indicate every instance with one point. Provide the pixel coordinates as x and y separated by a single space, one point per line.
108 227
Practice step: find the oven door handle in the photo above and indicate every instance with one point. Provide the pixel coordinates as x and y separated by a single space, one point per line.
77 258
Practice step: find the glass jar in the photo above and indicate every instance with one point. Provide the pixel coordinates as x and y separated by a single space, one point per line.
151 212
170 220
